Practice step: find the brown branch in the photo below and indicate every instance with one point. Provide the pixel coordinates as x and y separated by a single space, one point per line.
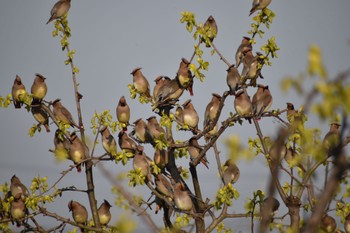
220 55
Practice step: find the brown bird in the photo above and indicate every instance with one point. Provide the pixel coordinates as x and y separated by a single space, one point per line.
251 69
76 150
143 162
211 110
61 145
161 158
126 143
168 94
18 190
328 224
184 76
259 5
233 79
108 142
190 116
262 100
182 198
141 131
18 92
194 149
62 114
123 112
179 116
272 202
41 116
154 128
59 9
104 214
244 46
231 172
332 139
140 82
164 186
160 81
347 224
39 88
211 30
79 212
242 104
18 211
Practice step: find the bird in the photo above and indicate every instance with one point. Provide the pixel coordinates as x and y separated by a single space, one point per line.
154 128
251 69
259 5
179 117
140 82
231 172
270 202
18 189
262 100
244 46
328 224
123 112
185 76
126 143
347 224
39 88
62 114
141 132
104 213
211 29
18 211
194 149
41 116
160 81
18 92
160 158
332 138
182 197
108 142
211 110
143 162
79 213
168 94
61 145
59 9
233 79
242 104
76 150
190 116
164 186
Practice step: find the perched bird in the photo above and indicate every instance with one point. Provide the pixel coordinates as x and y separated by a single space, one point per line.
211 30
18 92
104 213
154 127
140 82
108 142
179 116
39 88
332 139
190 116
18 190
61 145
160 158
233 79
244 46
271 202
160 81
143 162
347 224
141 131
41 116
18 211
290 111
262 100
184 76
164 186
182 198
242 104
126 143
211 110
251 69
76 150
79 212
259 5
168 94
59 9
194 149
328 224
123 112
231 172
62 114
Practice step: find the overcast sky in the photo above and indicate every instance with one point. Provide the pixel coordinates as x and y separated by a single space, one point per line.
111 38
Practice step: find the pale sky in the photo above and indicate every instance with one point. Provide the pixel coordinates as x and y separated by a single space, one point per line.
111 38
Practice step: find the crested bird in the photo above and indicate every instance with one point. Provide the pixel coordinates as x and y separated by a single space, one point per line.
18 189
62 114
79 212
39 88
242 104
126 143
233 79
231 172
185 76
194 149
59 9
164 186
141 132
104 213
160 81
123 112
76 150
259 5
262 100
18 92
154 128
332 138
18 211
182 198
211 29
211 110
244 46
140 82
143 162
41 116
190 116
108 142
